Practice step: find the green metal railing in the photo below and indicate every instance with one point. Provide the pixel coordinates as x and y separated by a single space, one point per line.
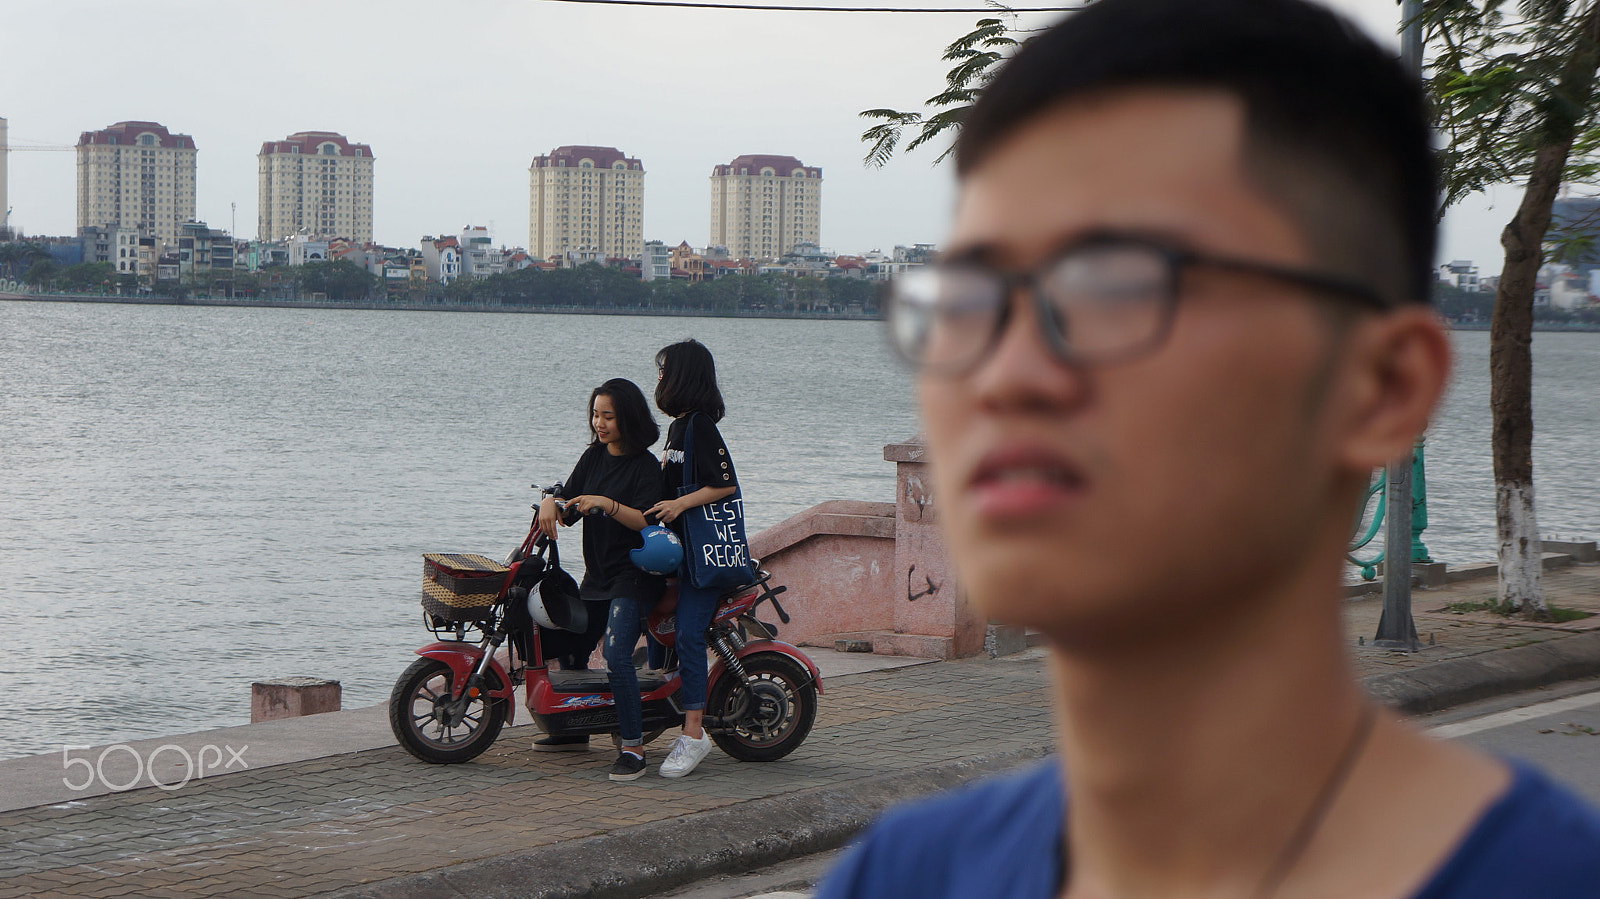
1419 517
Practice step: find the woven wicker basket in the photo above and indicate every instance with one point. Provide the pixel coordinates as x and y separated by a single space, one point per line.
461 586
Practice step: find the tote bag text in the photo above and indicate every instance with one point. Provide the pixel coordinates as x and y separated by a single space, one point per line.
726 519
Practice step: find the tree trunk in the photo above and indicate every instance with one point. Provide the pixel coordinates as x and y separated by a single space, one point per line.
1511 384
1511 329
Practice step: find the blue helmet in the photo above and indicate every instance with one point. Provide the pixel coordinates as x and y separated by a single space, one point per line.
661 553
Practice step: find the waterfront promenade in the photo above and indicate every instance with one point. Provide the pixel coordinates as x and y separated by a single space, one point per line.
329 806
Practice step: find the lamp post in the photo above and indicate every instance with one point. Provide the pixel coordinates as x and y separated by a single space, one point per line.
1397 629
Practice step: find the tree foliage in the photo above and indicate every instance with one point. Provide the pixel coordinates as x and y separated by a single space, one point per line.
596 286
1456 304
338 279
42 273
975 56
17 258
1507 80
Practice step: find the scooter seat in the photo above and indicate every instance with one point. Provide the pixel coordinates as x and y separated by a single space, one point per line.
593 681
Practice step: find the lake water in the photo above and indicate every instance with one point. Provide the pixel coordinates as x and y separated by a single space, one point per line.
195 498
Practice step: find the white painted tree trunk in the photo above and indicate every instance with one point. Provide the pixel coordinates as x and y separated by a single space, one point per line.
1520 557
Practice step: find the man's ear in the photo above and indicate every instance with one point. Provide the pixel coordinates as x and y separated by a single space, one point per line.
1399 363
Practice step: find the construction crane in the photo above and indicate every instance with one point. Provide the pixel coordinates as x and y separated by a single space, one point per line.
7 147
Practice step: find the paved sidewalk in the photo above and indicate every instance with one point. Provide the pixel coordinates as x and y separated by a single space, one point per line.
1447 635
375 822
1476 655
315 826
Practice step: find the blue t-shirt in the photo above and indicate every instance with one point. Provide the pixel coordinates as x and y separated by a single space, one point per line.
1003 838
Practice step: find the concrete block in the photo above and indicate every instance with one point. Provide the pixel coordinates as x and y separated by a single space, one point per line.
1579 550
1557 560
1428 574
1004 640
913 450
1362 588
1472 572
292 697
1550 558
920 646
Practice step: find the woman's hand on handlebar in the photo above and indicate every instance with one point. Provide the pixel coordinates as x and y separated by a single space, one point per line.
549 516
592 504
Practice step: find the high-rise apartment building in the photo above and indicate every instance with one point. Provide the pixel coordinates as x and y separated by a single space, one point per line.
315 183
138 176
764 206
586 203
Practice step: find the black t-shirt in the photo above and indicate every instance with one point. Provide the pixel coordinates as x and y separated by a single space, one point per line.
632 480
713 467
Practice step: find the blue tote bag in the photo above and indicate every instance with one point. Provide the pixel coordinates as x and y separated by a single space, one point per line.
715 553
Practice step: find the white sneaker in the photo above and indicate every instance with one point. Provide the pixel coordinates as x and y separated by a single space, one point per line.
687 752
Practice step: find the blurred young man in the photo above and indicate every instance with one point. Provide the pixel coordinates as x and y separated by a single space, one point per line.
1182 316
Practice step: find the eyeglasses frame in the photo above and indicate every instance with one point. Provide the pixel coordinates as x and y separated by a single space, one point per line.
1177 259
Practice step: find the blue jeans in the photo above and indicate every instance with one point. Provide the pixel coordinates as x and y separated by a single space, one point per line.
695 608
623 627
656 657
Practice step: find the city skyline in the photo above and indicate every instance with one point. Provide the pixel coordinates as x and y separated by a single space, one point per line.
319 183
457 110
584 201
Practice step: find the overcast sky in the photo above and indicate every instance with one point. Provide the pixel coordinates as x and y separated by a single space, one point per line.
456 97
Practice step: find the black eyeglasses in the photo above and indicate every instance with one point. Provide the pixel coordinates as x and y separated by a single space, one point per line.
1100 300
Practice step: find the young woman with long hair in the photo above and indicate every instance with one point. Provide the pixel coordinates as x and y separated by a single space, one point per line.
687 391
615 481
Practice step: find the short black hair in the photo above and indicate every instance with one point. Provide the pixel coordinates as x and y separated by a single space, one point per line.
635 424
688 380
1336 129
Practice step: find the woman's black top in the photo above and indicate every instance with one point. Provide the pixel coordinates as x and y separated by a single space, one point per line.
713 467
632 480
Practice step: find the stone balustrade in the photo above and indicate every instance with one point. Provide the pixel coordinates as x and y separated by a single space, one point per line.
876 573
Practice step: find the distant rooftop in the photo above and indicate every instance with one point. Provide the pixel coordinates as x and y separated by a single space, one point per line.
752 164
574 156
127 134
308 143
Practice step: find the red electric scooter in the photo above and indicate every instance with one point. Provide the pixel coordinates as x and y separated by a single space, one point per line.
451 703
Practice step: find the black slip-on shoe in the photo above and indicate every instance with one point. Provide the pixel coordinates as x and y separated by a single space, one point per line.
579 743
627 767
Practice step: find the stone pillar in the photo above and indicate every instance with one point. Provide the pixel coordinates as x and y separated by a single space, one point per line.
932 617
292 697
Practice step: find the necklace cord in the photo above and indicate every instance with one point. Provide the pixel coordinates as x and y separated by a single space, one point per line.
1312 822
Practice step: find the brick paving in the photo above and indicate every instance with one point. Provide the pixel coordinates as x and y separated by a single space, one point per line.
321 825
1448 635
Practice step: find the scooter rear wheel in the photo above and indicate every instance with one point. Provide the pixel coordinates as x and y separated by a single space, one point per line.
772 717
435 728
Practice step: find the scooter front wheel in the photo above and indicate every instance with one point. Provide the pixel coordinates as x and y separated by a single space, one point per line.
436 728
767 717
